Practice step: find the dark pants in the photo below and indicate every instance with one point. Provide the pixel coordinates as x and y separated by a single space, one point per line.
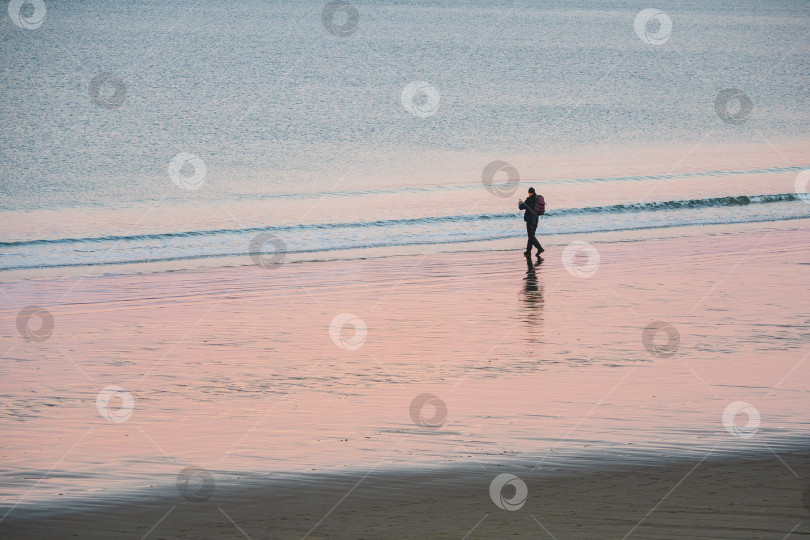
531 228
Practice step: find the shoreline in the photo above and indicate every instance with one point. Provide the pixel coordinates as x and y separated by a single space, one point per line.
374 253
755 495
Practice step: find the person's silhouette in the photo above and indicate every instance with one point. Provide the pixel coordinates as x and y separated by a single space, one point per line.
531 217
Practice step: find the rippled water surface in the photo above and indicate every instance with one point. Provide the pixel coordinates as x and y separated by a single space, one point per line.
296 127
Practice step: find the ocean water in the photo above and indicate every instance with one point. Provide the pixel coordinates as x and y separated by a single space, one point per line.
303 134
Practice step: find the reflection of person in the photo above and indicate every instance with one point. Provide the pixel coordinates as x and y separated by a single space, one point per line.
533 290
533 300
531 218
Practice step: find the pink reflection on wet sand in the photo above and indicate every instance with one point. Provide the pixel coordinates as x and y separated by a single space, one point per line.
234 369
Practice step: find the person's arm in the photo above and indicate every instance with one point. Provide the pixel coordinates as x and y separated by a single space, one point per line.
523 206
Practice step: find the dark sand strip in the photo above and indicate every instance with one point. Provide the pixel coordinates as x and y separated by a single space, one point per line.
714 498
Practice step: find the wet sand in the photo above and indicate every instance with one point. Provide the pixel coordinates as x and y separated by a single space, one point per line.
737 498
235 371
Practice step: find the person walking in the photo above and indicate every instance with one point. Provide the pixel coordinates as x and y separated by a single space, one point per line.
531 215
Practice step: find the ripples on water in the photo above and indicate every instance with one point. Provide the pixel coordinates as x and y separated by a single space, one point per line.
448 229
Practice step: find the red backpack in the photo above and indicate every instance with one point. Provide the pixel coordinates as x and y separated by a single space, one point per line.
540 205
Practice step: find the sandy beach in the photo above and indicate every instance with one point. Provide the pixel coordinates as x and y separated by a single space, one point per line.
326 442
729 498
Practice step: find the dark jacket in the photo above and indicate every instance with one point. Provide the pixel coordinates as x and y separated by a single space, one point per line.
529 216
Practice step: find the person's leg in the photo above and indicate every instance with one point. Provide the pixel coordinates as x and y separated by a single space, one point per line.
531 229
530 234
536 241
